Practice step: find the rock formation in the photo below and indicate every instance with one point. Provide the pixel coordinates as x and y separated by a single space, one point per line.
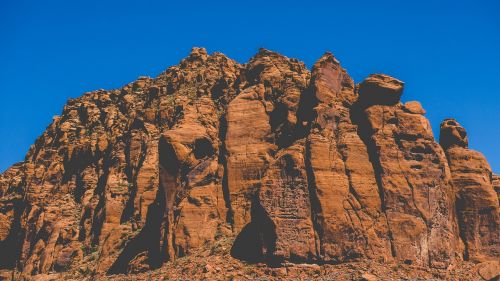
298 166
477 202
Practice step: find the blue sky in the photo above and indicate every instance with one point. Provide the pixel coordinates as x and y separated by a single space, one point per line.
447 52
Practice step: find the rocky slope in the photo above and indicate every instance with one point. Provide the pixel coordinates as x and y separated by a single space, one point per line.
286 165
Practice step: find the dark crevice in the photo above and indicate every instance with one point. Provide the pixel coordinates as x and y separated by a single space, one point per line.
352 191
98 220
203 148
34 234
165 242
154 236
314 201
284 134
131 173
278 116
223 160
148 239
219 89
306 112
86 214
128 167
100 210
171 171
167 157
11 247
137 124
83 115
253 75
80 187
74 165
358 118
103 179
128 210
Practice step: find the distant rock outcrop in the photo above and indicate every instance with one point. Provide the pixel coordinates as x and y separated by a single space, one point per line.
298 166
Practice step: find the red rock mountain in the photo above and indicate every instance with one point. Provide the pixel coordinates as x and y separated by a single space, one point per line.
296 166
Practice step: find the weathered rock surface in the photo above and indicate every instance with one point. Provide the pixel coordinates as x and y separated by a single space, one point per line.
477 202
340 171
414 177
380 89
495 180
297 166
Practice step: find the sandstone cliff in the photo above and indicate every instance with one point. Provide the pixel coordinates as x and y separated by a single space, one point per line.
297 166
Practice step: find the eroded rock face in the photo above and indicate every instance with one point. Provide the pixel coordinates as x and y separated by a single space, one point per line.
342 178
495 180
477 202
297 166
284 198
260 119
452 135
414 182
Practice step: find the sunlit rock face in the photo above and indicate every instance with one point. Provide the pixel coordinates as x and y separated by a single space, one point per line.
295 166
477 204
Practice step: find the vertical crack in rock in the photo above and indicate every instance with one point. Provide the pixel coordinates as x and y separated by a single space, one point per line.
12 237
99 214
363 132
223 161
170 168
261 119
314 202
152 238
147 240
132 171
343 172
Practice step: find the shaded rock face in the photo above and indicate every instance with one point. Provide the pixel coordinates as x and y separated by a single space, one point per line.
452 134
380 89
296 165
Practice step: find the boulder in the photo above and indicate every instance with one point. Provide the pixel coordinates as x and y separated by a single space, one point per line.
380 89
452 134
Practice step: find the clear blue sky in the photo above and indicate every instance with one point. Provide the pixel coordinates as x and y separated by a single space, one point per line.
447 52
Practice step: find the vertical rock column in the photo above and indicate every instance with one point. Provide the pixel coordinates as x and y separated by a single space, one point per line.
284 197
248 150
477 204
261 120
266 162
413 174
346 202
